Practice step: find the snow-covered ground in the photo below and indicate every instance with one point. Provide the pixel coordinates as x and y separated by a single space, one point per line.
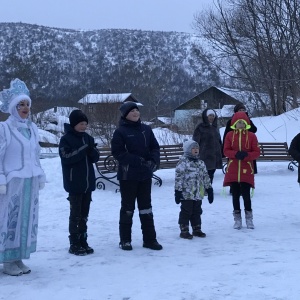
259 264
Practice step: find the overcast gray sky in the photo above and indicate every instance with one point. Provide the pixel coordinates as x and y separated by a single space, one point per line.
164 15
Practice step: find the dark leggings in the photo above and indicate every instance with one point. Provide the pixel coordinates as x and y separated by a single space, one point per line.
241 189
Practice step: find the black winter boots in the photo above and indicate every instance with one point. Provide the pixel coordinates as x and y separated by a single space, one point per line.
184 232
198 232
154 245
79 245
85 245
125 245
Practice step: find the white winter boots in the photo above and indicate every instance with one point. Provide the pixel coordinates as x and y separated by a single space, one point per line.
249 219
15 268
238 219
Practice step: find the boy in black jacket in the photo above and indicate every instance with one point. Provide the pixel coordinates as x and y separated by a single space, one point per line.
136 149
78 152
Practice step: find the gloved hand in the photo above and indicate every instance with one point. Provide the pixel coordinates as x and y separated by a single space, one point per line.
151 165
41 185
178 196
3 189
241 155
210 195
90 149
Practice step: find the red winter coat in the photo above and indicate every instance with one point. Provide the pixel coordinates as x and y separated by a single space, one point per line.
240 140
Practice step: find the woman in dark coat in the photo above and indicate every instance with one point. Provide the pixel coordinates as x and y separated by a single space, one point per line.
136 149
208 137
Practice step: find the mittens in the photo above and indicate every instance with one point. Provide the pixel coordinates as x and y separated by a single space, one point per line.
210 195
2 189
241 155
178 196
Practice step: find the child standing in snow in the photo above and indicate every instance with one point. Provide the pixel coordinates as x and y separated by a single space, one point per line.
78 152
191 181
241 147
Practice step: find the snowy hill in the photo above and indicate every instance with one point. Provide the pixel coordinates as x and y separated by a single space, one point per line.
63 64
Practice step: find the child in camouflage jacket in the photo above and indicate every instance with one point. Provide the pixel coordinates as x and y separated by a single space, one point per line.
191 181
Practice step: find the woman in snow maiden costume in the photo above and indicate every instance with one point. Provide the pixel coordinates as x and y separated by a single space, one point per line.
78 152
21 178
191 180
241 147
136 149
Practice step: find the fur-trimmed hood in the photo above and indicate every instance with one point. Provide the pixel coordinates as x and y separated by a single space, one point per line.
240 115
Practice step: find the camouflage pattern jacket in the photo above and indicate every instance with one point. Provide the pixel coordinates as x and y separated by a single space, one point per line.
191 178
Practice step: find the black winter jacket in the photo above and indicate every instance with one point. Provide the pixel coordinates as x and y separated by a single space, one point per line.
78 153
210 144
294 151
132 144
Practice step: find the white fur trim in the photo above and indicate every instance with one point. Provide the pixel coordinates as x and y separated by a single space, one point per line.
16 100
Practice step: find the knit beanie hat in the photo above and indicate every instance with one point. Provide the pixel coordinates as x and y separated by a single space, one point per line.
238 107
210 112
10 98
188 146
77 116
126 107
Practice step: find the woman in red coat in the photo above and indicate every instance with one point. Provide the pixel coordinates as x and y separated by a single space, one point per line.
241 147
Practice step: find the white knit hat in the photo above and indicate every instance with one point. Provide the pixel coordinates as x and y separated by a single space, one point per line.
210 112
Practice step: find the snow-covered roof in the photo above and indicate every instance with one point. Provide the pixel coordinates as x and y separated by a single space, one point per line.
165 120
244 96
104 98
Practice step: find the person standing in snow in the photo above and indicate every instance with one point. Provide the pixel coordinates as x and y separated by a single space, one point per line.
241 147
21 178
208 137
136 149
294 151
78 152
253 128
191 180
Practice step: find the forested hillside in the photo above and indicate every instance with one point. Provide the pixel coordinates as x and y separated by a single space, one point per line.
61 65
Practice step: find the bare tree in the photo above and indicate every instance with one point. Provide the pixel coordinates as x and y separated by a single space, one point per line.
256 43
103 120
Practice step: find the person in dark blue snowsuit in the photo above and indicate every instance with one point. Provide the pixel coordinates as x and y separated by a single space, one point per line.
136 149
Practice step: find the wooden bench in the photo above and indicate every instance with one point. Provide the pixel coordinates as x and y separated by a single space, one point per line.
272 151
169 156
107 168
